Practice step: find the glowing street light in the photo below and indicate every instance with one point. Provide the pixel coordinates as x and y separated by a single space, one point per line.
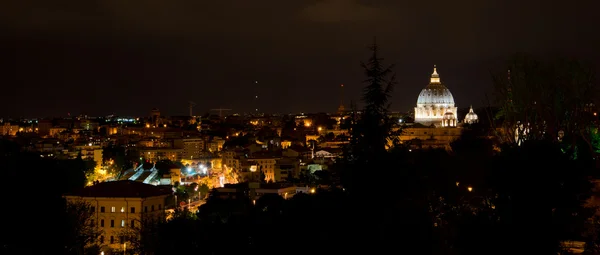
470 188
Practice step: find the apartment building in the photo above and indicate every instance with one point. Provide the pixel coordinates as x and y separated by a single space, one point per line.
119 205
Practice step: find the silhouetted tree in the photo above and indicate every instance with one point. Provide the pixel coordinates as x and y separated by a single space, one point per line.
371 129
80 228
56 178
374 126
262 177
164 166
538 99
521 195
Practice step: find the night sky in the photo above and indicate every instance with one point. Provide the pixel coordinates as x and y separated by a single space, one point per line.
126 57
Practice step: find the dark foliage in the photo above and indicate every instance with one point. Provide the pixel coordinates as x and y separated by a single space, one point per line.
35 209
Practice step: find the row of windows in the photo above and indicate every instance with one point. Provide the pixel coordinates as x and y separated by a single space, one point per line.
112 239
112 223
412 133
131 210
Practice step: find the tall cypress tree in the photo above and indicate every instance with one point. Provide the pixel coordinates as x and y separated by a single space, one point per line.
374 127
371 128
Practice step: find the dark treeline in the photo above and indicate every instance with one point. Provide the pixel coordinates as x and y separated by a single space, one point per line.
36 218
497 191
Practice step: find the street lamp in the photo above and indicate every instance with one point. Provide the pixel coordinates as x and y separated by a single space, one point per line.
470 188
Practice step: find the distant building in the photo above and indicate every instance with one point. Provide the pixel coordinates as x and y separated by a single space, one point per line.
435 105
157 154
88 152
193 148
8 129
119 205
426 137
254 190
436 118
471 117
268 165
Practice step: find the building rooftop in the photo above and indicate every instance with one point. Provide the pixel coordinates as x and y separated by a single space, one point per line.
123 189
245 185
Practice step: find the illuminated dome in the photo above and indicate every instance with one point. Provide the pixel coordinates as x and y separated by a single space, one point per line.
434 101
471 117
435 92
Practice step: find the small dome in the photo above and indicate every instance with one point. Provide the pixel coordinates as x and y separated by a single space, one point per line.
435 92
471 116
449 116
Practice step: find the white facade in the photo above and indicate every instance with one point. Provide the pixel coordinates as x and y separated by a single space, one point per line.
435 101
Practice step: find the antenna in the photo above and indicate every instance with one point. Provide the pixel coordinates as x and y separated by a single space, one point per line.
342 94
220 110
191 105
341 108
256 104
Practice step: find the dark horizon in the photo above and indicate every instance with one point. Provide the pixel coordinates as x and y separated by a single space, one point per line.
110 57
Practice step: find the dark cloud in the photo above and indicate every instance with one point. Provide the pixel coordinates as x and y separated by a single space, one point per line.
334 11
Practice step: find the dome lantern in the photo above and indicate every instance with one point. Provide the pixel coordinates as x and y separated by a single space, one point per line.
435 77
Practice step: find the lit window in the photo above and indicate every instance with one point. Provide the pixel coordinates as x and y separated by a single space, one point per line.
122 223
113 209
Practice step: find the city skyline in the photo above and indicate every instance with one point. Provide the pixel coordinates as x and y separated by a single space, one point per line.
127 59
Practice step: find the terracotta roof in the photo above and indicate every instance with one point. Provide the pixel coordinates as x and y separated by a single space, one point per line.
123 189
